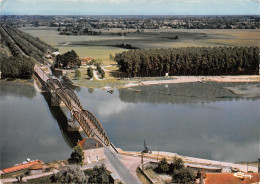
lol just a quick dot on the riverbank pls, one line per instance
(202, 79)
(111, 82)
(189, 161)
(132, 159)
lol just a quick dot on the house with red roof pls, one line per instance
(93, 150)
(35, 165)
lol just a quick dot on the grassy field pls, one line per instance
(84, 80)
(162, 38)
(97, 52)
(101, 46)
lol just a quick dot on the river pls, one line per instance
(193, 119)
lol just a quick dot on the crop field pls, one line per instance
(97, 52)
(101, 46)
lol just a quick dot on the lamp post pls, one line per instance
(146, 150)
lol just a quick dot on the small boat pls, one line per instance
(110, 91)
(202, 82)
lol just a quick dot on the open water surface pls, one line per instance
(192, 119)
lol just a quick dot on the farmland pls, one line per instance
(101, 46)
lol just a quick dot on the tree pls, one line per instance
(101, 71)
(71, 174)
(69, 59)
(183, 175)
(177, 164)
(99, 175)
(77, 156)
(77, 73)
(20, 178)
(195, 60)
(163, 166)
(16, 67)
(111, 57)
(90, 72)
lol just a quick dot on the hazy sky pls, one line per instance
(130, 7)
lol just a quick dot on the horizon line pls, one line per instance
(7, 14)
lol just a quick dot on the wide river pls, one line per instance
(193, 119)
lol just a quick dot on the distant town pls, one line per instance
(188, 85)
(80, 24)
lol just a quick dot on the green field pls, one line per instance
(100, 47)
(65, 43)
(98, 52)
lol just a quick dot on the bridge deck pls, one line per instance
(87, 120)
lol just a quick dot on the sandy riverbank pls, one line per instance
(199, 162)
(187, 79)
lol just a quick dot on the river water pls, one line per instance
(192, 119)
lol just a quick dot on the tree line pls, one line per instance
(19, 65)
(189, 61)
(24, 45)
(39, 44)
(5, 39)
(16, 67)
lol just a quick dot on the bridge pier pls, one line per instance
(73, 124)
(55, 101)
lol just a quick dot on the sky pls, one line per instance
(130, 7)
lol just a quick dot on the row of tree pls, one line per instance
(39, 44)
(189, 61)
(16, 67)
(6, 40)
(26, 46)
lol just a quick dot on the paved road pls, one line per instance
(120, 170)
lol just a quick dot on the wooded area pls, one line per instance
(20, 66)
(189, 61)
(69, 59)
(25, 50)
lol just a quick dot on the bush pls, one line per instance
(90, 72)
(183, 175)
(77, 156)
(163, 166)
(179, 173)
(176, 164)
(71, 174)
(101, 71)
(99, 175)
(77, 74)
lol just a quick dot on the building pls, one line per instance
(93, 150)
(36, 168)
(25, 165)
(85, 60)
(54, 54)
(232, 178)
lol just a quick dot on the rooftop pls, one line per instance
(21, 166)
(90, 143)
(231, 178)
